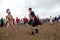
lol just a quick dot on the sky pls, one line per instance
(19, 8)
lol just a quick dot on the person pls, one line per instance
(56, 19)
(2, 22)
(33, 21)
(9, 18)
(51, 21)
(17, 20)
(59, 19)
(37, 17)
(5, 22)
(25, 20)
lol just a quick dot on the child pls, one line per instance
(9, 18)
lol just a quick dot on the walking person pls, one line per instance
(9, 18)
(33, 21)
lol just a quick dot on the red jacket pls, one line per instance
(17, 20)
(25, 20)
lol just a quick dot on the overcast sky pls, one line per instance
(19, 8)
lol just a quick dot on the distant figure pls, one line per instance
(21, 21)
(37, 17)
(56, 19)
(59, 18)
(13, 21)
(51, 21)
(25, 20)
(17, 20)
(2, 22)
(5, 22)
(33, 21)
(9, 18)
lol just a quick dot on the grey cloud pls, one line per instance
(42, 3)
(41, 7)
(44, 7)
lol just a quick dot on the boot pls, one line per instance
(32, 33)
(36, 30)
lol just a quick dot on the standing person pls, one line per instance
(51, 21)
(59, 19)
(9, 18)
(25, 20)
(5, 22)
(2, 22)
(17, 20)
(33, 21)
(37, 17)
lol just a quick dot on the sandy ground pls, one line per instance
(46, 32)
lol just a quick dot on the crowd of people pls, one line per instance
(50, 19)
(15, 21)
(25, 20)
(33, 21)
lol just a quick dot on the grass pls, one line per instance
(46, 32)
